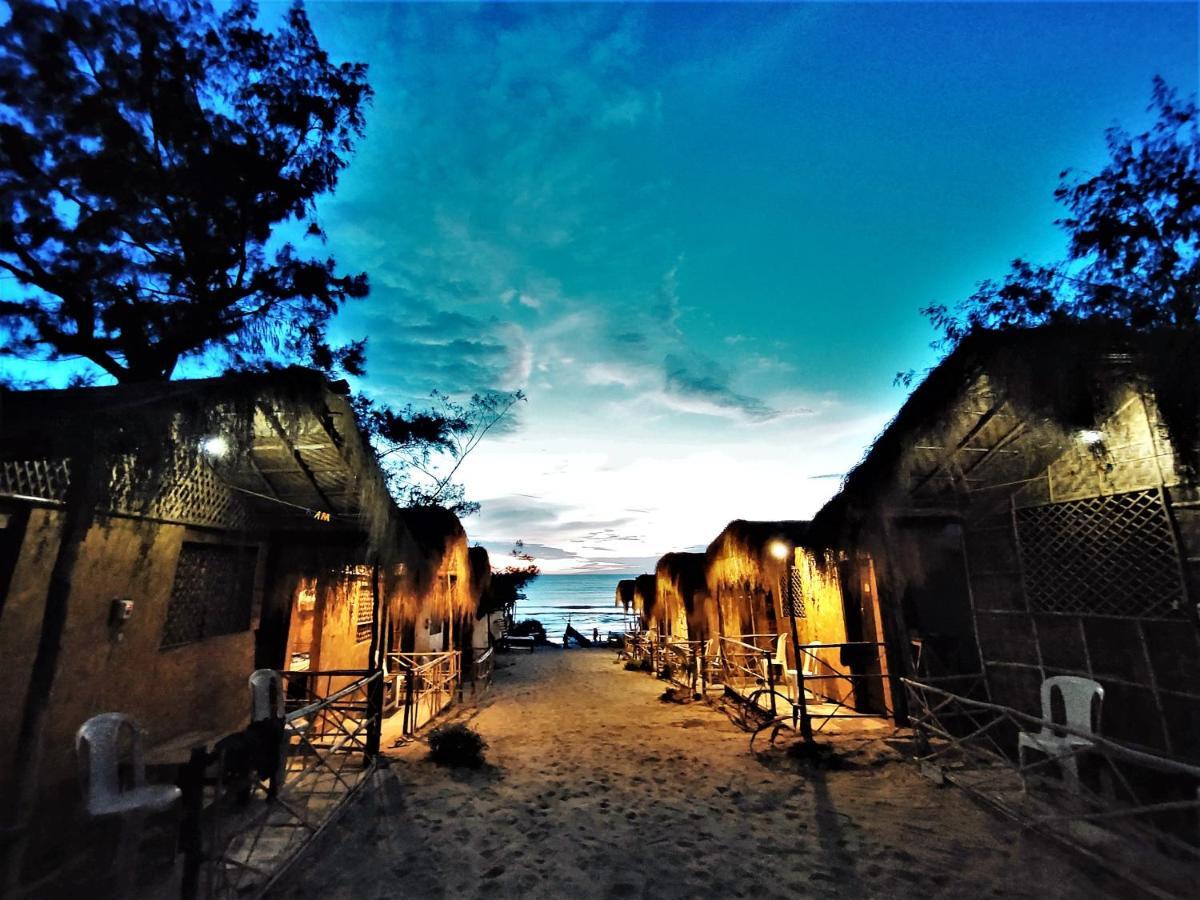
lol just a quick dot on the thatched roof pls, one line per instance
(644, 590)
(624, 595)
(1004, 404)
(481, 572)
(434, 528)
(740, 553)
(434, 531)
(682, 574)
(755, 537)
(289, 449)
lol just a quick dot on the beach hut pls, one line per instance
(682, 608)
(481, 626)
(746, 571)
(1034, 510)
(753, 571)
(645, 596)
(431, 617)
(624, 598)
(437, 594)
(155, 533)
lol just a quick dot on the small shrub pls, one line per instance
(633, 666)
(645, 665)
(456, 745)
(667, 671)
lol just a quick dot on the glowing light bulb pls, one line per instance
(779, 549)
(1090, 436)
(215, 446)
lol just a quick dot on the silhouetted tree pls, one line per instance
(149, 153)
(421, 451)
(1133, 230)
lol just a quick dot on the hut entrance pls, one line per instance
(302, 649)
(937, 600)
(863, 623)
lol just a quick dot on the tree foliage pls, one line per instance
(1133, 229)
(421, 451)
(507, 585)
(149, 154)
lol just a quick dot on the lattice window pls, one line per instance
(1110, 556)
(364, 610)
(198, 496)
(43, 478)
(195, 494)
(793, 606)
(212, 594)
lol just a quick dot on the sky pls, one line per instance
(698, 236)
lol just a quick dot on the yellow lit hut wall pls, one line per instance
(1034, 511)
(645, 598)
(170, 689)
(680, 596)
(745, 572)
(823, 622)
(333, 616)
(437, 594)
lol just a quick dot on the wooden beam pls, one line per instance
(974, 430)
(1011, 435)
(301, 465)
(262, 477)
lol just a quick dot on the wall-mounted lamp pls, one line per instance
(779, 549)
(215, 446)
(1089, 437)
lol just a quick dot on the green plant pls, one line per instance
(667, 671)
(645, 665)
(456, 745)
(633, 666)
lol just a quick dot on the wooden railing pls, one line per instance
(420, 684)
(483, 667)
(241, 830)
(1142, 809)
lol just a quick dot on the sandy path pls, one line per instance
(596, 788)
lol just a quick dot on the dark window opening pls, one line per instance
(212, 595)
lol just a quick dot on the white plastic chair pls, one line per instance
(780, 661)
(1078, 696)
(266, 703)
(266, 695)
(98, 748)
(808, 664)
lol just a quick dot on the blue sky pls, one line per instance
(698, 236)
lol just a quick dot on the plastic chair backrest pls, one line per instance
(780, 651)
(266, 695)
(98, 749)
(1078, 694)
(810, 658)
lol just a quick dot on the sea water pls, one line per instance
(585, 601)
